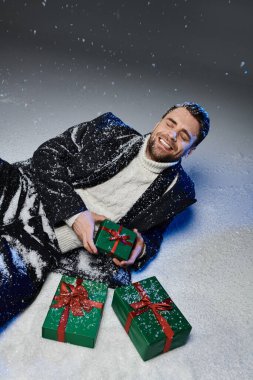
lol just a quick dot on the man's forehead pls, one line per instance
(180, 112)
(184, 118)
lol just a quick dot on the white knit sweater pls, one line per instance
(116, 196)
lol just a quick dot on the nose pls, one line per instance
(173, 135)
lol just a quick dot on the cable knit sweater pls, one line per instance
(116, 196)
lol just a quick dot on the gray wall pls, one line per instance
(64, 62)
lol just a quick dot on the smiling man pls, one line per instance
(148, 191)
(174, 136)
(52, 203)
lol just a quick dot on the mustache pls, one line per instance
(165, 138)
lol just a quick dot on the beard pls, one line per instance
(155, 153)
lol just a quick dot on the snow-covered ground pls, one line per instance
(205, 262)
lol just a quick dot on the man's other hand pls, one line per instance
(84, 225)
(136, 252)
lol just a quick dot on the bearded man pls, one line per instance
(51, 204)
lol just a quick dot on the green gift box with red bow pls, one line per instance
(115, 240)
(76, 311)
(149, 316)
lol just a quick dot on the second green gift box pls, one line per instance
(75, 313)
(152, 320)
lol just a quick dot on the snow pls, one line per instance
(3, 269)
(18, 261)
(12, 208)
(46, 226)
(30, 256)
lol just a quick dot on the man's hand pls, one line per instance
(83, 226)
(139, 245)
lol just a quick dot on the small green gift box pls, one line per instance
(153, 322)
(75, 313)
(114, 239)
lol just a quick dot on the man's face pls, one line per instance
(173, 136)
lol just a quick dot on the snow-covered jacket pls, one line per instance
(90, 153)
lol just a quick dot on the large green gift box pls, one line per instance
(75, 313)
(152, 320)
(114, 239)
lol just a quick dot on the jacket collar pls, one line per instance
(152, 194)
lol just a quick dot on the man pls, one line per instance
(51, 203)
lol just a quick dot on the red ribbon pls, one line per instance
(115, 235)
(144, 305)
(76, 299)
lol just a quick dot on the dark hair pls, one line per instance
(199, 113)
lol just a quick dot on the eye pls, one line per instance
(184, 136)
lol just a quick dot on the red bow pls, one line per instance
(115, 235)
(144, 305)
(76, 299)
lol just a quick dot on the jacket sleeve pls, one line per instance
(153, 239)
(51, 167)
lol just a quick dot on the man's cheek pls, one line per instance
(184, 146)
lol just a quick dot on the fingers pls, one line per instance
(139, 244)
(101, 218)
(98, 217)
(116, 261)
(88, 244)
(84, 228)
(123, 264)
(139, 237)
(92, 246)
